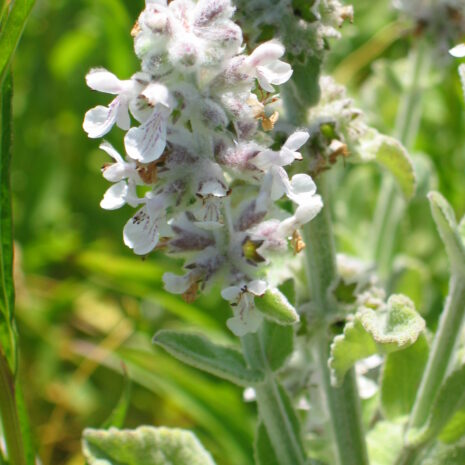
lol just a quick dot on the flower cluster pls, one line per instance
(442, 20)
(208, 183)
(304, 27)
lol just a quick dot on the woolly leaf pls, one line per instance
(382, 434)
(196, 350)
(144, 446)
(275, 306)
(278, 342)
(353, 345)
(394, 327)
(393, 156)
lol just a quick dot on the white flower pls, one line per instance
(302, 191)
(458, 51)
(264, 64)
(288, 153)
(115, 197)
(119, 170)
(246, 319)
(122, 192)
(177, 284)
(100, 119)
(196, 145)
(147, 142)
(141, 232)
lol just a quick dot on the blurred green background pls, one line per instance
(87, 308)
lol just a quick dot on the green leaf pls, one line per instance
(145, 445)
(275, 306)
(446, 455)
(454, 429)
(7, 297)
(118, 415)
(227, 420)
(449, 231)
(196, 350)
(25, 426)
(354, 344)
(305, 76)
(394, 327)
(263, 448)
(278, 342)
(449, 399)
(392, 155)
(384, 443)
(401, 376)
(280, 420)
(11, 31)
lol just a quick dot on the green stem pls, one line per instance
(344, 410)
(272, 407)
(408, 456)
(9, 414)
(321, 254)
(390, 204)
(343, 403)
(441, 353)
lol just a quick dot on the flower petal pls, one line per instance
(147, 142)
(257, 287)
(231, 293)
(306, 212)
(141, 232)
(280, 183)
(123, 120)
(115, 196)
(302, 187)
(275, 73)
(247, 322)
(99, 120)
(158, 93)
(266, 53)
(107, 147)
(104, 81)
(458, 51)
(296, 140)
(268, 158)
(176, 284)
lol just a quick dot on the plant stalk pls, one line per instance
(272, 406)
(9, 415)
(441, 353)
(343, 403)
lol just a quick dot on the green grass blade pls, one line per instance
(12, 28)
(7, 339)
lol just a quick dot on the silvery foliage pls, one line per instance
(303, 26)
(210, 178)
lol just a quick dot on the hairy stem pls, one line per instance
(390, 205)
(9, 414)
(272, 407)
(441, 353)
(343, 403)
(408, 456)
